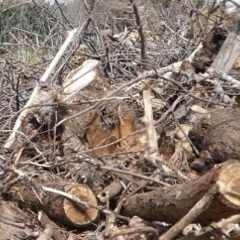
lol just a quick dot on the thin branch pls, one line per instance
(149, 122)
(135, 175)
(199, 207)
(140, 30)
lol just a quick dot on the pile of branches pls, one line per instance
(118, 139)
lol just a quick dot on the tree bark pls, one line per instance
(172, 203)
(14, 222)
(69, 203)
(229, 51)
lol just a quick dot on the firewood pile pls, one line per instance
(118, 147)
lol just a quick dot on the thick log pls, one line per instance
(69, 203)
(172, 203)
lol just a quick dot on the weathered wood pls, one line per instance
(229, 51)
(14, 222)
(220, 47)
(151, 132)
(172, 203)
(51, 229)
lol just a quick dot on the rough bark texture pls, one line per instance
(32, 194)
(217, 138)
(229, 52)
(15, 222)
(172, 203)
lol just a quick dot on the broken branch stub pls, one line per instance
(79, 78)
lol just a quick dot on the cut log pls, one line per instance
(69, 203)
(172, 203)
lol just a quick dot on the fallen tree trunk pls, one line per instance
(172, 203)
